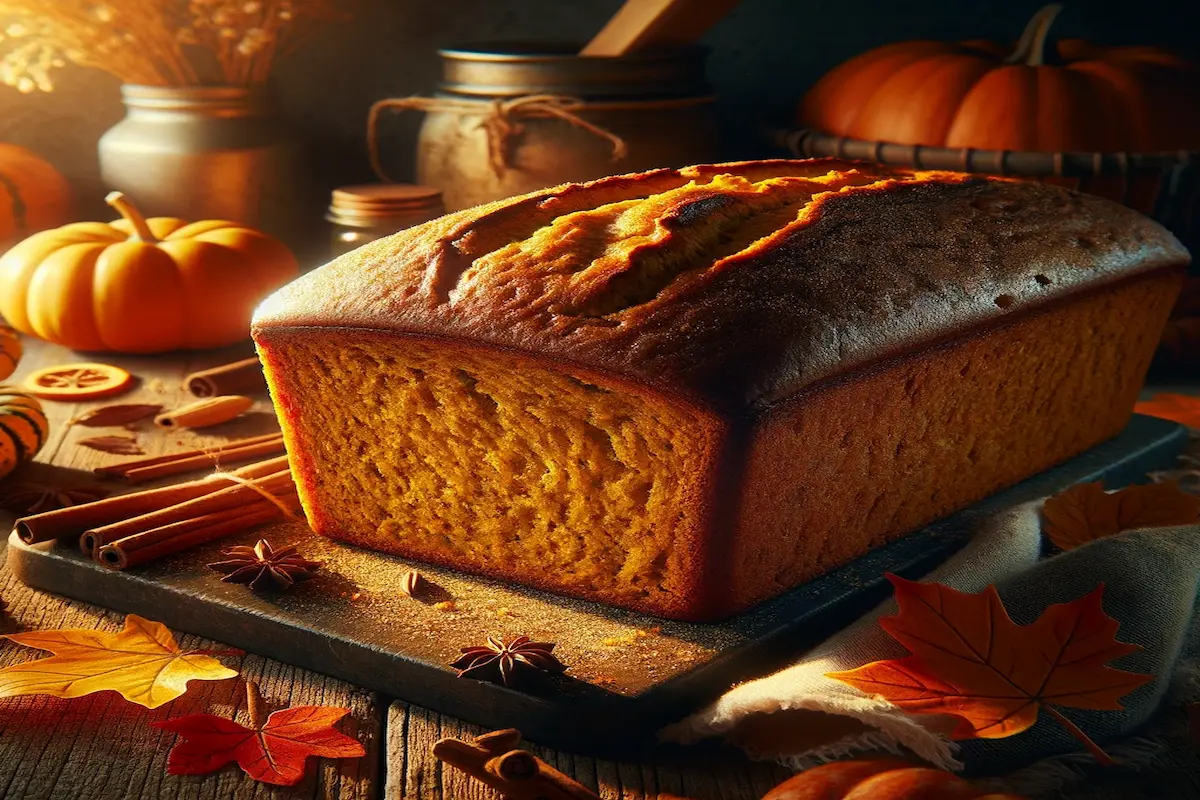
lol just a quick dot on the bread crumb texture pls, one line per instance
(489, 463)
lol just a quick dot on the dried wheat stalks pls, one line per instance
(152, 42)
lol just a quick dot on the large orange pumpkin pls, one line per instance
(33, 195)
(141, 285)
(878, 779)
(1074, 97)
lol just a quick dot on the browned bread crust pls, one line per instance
(687, 391)
(737, 284)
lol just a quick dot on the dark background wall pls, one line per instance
(764, 55)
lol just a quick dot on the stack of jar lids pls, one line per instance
(371, 204)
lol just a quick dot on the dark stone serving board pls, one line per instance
(629, 673)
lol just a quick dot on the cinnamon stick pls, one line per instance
(231, 455)
(74, 520)
(175, 537)
(517, 774)
(208, 454)
(205, 413)
(238, 495)
(240, 377)
(90, 547)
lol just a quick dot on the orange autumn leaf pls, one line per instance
(274, 752)
(1085, 512)
(1180, 408)
(971, 661)
(142, 662)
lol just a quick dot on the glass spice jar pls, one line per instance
(362, 214)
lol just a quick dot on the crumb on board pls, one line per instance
(632, 637)
(613, 645)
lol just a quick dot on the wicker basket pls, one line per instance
(1165, 186)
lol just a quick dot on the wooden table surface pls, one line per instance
(102, 747)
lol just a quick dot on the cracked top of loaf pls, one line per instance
(735, 285)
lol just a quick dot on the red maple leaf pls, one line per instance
(274, 752)
(1180, 408)
(971, 661)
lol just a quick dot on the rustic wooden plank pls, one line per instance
(100, 746)
(698, 773)
(160, 381)
(708, 774)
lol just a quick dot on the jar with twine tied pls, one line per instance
(512, 119)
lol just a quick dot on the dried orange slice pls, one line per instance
(78, 382)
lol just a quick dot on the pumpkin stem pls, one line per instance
(1031, 49)
(125, 206)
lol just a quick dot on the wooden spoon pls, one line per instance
(647, 24)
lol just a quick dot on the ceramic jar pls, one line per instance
(209, 152)
(512, 119)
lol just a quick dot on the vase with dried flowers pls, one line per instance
(200, 139)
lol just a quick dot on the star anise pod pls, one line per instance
(28, 498)
(503, 662)
(264, 568)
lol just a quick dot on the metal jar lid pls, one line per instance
(371, 204)
(516, 69)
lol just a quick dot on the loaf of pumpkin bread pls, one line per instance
(687, 391)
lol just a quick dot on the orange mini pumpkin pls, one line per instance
(33, 195)
(23, 429)
(1075, 97)
(10, 351)
(141, 285)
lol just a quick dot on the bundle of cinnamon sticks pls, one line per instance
(135, 528)
(139, 527)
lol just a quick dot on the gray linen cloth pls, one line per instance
(1150, 577)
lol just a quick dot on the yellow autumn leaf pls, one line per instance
(142, 662)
